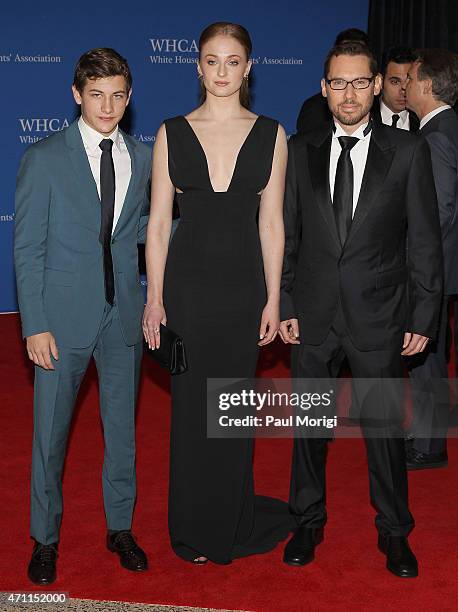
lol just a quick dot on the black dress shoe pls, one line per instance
(42, 566)
(425, 461)
(132, 556)
(300, 550)
(400, 560)
(408, 443)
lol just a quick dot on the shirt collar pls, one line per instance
(359, 133)
(387, 114)
(433, 113)
(92, 138)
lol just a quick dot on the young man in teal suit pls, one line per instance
(81, 209)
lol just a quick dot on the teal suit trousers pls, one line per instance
(118, 367)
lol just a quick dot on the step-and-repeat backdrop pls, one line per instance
(40, 43)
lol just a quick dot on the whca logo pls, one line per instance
(33, 130)
(174, 45)
(43, 125)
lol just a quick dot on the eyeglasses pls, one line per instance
(361, 83)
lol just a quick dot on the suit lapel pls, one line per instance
(318, 161)
(90, 201)
(130, 199)
(379, 158)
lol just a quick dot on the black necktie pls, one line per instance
(394, 120)
(107, 198)
(343, 188)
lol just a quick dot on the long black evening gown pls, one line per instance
(214, 293)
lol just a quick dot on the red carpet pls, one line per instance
(348, 573)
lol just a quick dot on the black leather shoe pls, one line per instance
(42, 566)
(425, 461)
(400, 560)
(300, 550)
(408, 443)
(132, 556)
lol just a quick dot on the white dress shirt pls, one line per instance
(121, 161)
(387, 117)
(358, 156)
(432, 114)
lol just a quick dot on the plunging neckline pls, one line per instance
(206, 158)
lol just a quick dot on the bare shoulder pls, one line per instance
(162, 132)
(281, 133)
(160, 144)
(250, 116)
(161, 135)
(193, 115)
(281, 144)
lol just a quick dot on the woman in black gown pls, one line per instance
(217, 285)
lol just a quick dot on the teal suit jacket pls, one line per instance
(57, 252)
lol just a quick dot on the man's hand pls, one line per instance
(414, 343)
(289, 331)
(40, 347)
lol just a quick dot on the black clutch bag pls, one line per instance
(171, 353)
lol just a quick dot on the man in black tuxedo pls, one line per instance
(432, 90)
(390, 107)
(355, 191)
(315, 110)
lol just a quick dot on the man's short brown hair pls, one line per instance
(351, 48)
(99, 64)
(441, 66)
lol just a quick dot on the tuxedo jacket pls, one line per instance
(315, 113)
(57, 251)
(384, 289)
(441, 133)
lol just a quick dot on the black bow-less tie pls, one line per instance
(107, 199)
(343, 188)
(394, 120)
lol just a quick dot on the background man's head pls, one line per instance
(350, 81)
(432, 80)
(351, 35)
(102, 86)
(396, 66)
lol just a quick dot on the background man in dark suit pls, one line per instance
(81, 208)
(353, 196)
(315, 110)
(432, 90)
(390, 106)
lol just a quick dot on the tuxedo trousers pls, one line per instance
(385, 454)
(118, 368)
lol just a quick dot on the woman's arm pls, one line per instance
(272, 236)
(157, 239)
